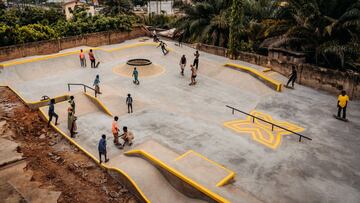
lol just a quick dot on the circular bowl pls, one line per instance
(139, 62)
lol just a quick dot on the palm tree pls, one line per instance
(328, 31)
(205, 21)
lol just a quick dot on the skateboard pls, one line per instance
(341, 119)
(97, 65)
(289, 87)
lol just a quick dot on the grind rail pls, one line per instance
(80, 84)
(272, 124)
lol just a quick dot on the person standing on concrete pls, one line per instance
(293, 77)
(343, 100)
(136, 76)
(193, 75)
(92, 58)
(182, 64)
(129, 101)
(127, 136)
(72, 122)
(196, 60)
(102, 148)
(115, 130)
(97, 84)
(52, 112)
(72, 103)
(82, 58)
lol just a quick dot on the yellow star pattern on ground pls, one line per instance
(260, 131)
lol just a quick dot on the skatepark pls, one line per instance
(189, 146)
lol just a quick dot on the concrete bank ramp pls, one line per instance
(192, 173)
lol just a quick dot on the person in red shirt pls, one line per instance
(82, 58)
(92, 58)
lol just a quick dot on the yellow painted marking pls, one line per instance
(18, 62)
(222, 182)
(260, 131)
(259, 74)
(86, 152)
(107, 111)
(175, 172)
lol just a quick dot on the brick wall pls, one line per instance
(309, 75)
(54, 46)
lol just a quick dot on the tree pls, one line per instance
(236, 27)
(205, 21)
(116, 7)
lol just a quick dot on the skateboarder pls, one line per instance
(182, 64)
(82, 58)
(196, 60)
(193, 75)
(293, 77)
(52, 112)
(72, 122)
(163, 47)
(102, 148)
(129, 101)
(136, 76)
(72, 103)
(343, 100)
(97, 84)
(92, 58)
(127, 136)
(115, 130)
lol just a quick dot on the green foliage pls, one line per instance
(327, 31)
(205, 21)
(116, 7)
(35, 24)
(236, 27)
(161, 21)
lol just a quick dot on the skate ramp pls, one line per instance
(192, 173)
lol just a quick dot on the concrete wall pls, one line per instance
(316, 77)
(54, 46)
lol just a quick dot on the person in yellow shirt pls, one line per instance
(343, 100)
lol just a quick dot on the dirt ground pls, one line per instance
(53, 161)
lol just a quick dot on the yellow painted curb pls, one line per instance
(273, 83)
(196, 185)
(98, 102)
(83, 150)
(76, 52)
(222, 182)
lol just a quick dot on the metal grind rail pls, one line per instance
(80, 84)
(272, 124)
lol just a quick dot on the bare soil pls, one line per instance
(54, 162)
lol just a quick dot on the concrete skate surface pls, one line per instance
(183, 117)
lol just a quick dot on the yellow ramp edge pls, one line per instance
(99, 104)
(83, 150)
(268, 81)
(76, 52)
(175, 172)
(222, 182)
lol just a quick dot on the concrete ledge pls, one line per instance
(209, 195)
(268, 81)
(230, 177)
(99, 104)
